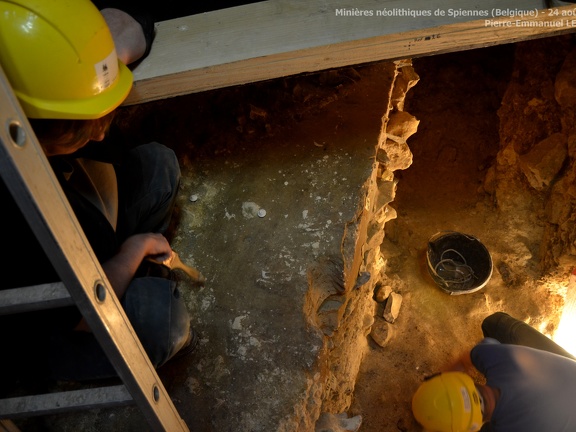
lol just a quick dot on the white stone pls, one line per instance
(392, 309)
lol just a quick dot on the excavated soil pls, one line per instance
(456, 101)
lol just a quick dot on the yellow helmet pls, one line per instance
(60, 59)
(448, 402)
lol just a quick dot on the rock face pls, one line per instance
(291, 293)
(346, 315)
(543, 162)
(535, 169)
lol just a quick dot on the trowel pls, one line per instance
(174, 262)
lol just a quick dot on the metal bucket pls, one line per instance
(458, 263)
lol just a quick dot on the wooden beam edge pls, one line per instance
(411, 44)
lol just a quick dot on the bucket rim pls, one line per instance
(438, 280)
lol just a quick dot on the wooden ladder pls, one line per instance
(30, 179)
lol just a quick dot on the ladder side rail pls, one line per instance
(8, 426)
(30, 179)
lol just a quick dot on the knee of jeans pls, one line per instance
(159, 317)
(179, 325)
(159, 153)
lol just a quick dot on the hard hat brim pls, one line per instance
(90, 108)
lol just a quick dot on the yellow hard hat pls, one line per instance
(60, 59)
(448, 402)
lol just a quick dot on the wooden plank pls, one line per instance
(278, 38)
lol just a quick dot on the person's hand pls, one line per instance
(122, 267)
(462, 364)
(127, 34)
(144, 245)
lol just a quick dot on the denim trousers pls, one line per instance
(508, 330)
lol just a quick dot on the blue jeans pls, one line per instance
(147, 186)
(159, 317)
(508, 330)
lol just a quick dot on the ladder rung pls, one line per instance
(74, 400)
(33, 298)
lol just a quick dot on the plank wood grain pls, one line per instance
(276, 38)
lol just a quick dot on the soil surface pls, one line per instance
(456, 100)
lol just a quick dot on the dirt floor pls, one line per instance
(456, 100)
